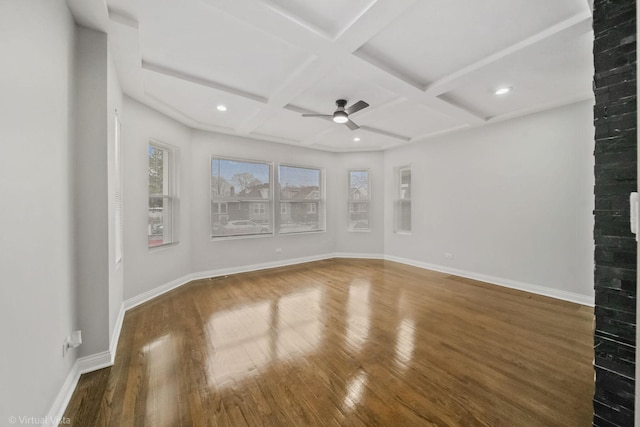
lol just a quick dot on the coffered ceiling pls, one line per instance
(426, 67)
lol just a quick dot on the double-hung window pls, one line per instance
(301, 199)
(403, 201)
(163, 201)
(358, 199)
(241, 197)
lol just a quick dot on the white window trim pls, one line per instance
(322, 212)
(271, 200)
(172, 192)
(398, 200)
(350, 200)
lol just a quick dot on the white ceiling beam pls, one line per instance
(200, 81)
(377, 18)
(92, 14)
(572, 27)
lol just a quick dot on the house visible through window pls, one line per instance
(162, 195)
(403, 202)
(359, 196)
(241, 197)
(301, 199)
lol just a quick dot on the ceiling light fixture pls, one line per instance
(221, 108)
(503, 91)
(356, 139)
(340, 117)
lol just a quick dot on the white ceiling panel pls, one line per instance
(408, 119)
(200, 103)
(539, 76)
(341, 138)
(292, 126)
(329, 18)
(198, 40)
(438, 37)
(322, 96)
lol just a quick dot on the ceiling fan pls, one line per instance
(341, 115)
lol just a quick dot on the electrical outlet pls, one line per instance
(72, 341)
(448, 255)
(278, 250)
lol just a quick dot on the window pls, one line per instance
(162, 195)
(301, 199)
(403, 203)
(258, 208)
(358, 199)
(241, 197)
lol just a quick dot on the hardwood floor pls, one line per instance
(345, 342)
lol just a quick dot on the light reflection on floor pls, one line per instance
(160, 355)
(405, 343)
(358, 312)
(245, 339)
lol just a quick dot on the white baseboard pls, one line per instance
(261, 266)
(355, 255)
(508, 283)
(155, 292)
(62, 399)
(81, 366)
(115, 335)
(94, 362)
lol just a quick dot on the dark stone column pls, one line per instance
(615, 118)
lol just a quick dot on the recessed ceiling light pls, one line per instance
(356, 139)
(503, 91)
(221, 108)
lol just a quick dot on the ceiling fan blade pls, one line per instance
(317, 115)
(357, 107)
(351, 125)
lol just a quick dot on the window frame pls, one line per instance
(321, 200)
(267, 210)
(351, 202)
(402, 200)
(170, 193)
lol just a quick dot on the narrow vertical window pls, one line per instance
(241, 198)
(162, 196)
(403, 202)
(301, 199)
(358, 199)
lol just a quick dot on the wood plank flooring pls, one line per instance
(345, 343)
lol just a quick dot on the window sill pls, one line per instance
(162, 247)
(240, 237)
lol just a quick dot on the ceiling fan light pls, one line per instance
(340, 117)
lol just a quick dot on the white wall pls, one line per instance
(209, 255)
(146, 269)
(92, 213)
(38, 293)
(512, 201)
